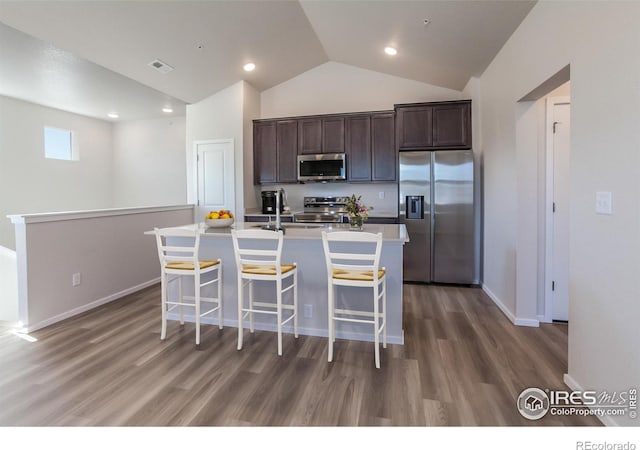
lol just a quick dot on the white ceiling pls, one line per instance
(40, 73)
(207, 42)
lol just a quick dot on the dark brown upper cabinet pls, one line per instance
(333, 134)
(438, 125)
(264, 152)
(321, 135)
(287, 151)
(309, 136)
(414, 127)
(370, 147)
(452, 125)
(358, 147)
(384, 156)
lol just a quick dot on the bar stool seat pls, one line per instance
(179, 258)
(359, 268)
(258, 258)
(267, 270)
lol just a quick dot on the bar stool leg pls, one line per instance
(219, 294)
(279, 313)
(331, 323)
(180, 298)
(384, 312)
(240, 294)
(251, 329)
(376, 331)
(163, 288)
(295, 304)
(197, 300)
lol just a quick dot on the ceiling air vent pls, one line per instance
(160, 66)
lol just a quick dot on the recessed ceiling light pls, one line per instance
(248, 67)
(113, 115)
(167, 110)
(390, 51)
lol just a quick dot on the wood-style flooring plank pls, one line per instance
(462, 363)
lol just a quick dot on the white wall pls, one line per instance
(605, 156)
(217, 117)
(339, 88)
(9, 286)
(31, 183)
(149, 166)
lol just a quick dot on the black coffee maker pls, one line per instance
(269, 202)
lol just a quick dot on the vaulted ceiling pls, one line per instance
(208, 42)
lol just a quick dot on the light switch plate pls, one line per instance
(381, 195)
(603, 203)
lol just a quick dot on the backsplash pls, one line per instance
(370, 194)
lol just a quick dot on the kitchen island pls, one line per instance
(303, 245)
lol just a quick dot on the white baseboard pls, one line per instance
(88, 306)
(608, 421)
(515, 320)
(527, 322)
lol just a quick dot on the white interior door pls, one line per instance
(215, 169)
(560, 253)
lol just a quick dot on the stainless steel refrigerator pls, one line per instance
(436, 205)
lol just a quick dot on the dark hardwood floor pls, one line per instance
(463, 363)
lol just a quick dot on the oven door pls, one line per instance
(317, 218)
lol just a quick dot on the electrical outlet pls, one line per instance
(381, 195)
(308, 311)
(75, 279)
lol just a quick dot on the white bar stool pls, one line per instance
(178, 260)
(258, 255)
(360, 269)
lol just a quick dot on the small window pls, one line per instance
(58, 144)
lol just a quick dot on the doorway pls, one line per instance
(558, 125)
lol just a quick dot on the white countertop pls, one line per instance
(390, 232)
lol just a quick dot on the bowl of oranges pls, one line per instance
(219, 219)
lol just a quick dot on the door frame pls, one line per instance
(549, 186)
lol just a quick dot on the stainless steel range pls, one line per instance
(323, 210)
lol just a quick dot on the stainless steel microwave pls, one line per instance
(322, 167)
